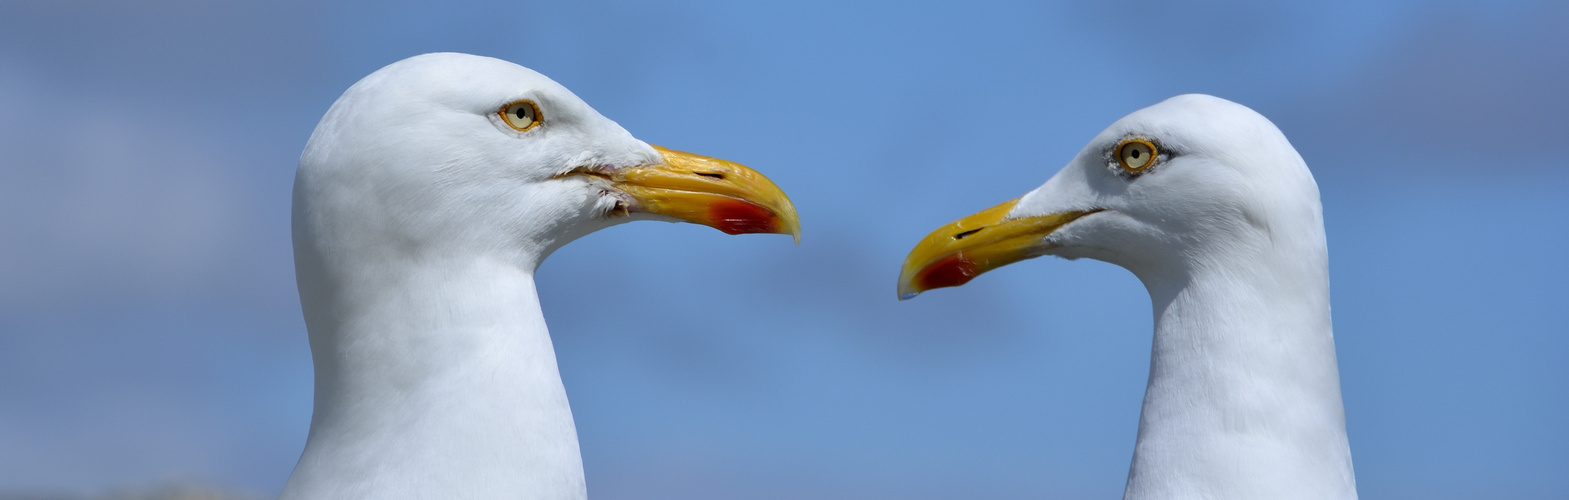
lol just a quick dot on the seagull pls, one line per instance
(1209, 205)
(425, 200)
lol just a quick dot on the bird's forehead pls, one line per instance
(468, 81)
(1191, 122)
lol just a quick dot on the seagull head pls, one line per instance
(1166, 189)
(453, 151)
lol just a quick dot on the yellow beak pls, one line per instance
(712, 192)
(958, 252)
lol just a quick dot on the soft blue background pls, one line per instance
(149, 325)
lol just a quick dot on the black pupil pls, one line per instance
(1134, 153)
(521, 113)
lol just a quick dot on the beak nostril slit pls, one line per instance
(711, 175)
(967, 234)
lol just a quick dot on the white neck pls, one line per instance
(1244, 393)
(434, 379)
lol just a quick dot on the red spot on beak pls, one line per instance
(952, 270)
(739, 217)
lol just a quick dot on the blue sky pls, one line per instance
(149, 325)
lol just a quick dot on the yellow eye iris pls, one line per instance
(522, 116)
(1136, 155)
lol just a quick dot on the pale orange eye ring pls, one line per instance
(1137, 155)
(522, 116)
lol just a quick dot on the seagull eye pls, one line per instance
(1136, 155)
(522, 116)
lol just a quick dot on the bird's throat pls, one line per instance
(442, 378)
(1244, 391)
